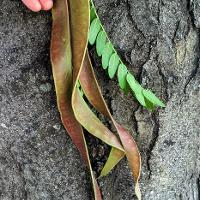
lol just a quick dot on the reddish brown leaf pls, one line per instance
(62, 72)
(80, 11)
(93, 93)
(71, 105)
(80, 24)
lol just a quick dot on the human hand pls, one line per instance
(37, 5)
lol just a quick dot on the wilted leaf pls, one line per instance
(95, 97)
(62, 71)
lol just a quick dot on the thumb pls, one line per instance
(33, 5)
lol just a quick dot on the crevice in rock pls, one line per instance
(24, 194)
(165, 83)
(191, 76)
(159, 10)
(196, 65)
(140, 72)
(195, 70)
(176, 31)
(128, 5)
(191, 12)
(155, 135)
(198, 188)
(135, 122)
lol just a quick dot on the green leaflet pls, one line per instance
(137, 89)
(94, 30)
(152, 98)
(121, 74)
(112, 62)
(107, 53)
(113, 65)
(149, 104)
(134, 85)
(100, 42)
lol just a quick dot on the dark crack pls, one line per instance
(25, 194)
(135, 122)
(197, 60)
(131, 18)
(159, 10)
(191, 12)
(165, 83)
(191, 76)
(198, 188)
(196, 64)
(140, 73)
(155, 135)
(176, 31)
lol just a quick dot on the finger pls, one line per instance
(33, 5)
(46, 4)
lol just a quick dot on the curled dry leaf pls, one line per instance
(62, 71)
(93, 93)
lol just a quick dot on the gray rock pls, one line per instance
(159, 41)
(37, 159)
(164, 54)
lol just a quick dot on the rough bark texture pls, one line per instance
(160, 42)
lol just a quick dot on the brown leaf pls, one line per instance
(93, 93)
(62, 71)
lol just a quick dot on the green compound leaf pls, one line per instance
(94, 30)
(121, 74)
(107, 53)
(112, 62)
(152, 98)
(113, 65)
(100, 42)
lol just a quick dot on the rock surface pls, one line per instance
(37, 159)
(159, 41)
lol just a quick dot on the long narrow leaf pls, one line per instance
(93, 93)
(62, 72)
(79, 45)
